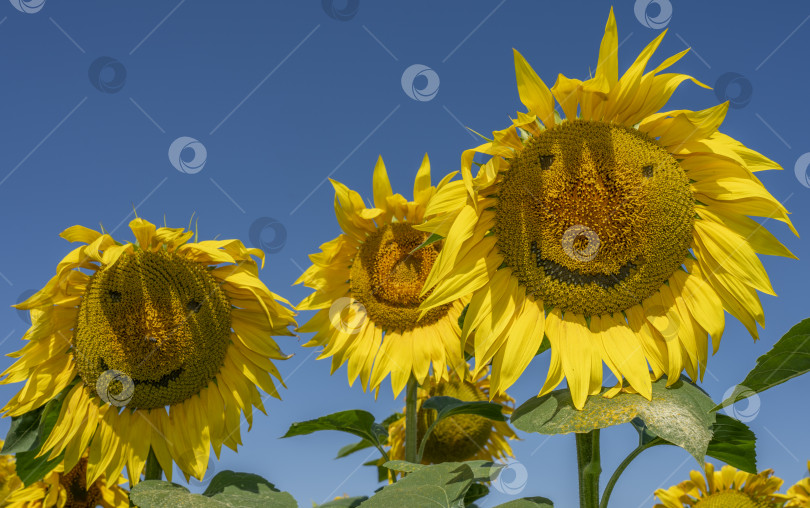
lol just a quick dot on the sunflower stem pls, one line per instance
(589, 466)
(410, 420)
(153, 470)
(626, 462)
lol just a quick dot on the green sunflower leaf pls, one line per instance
(31, 468)
(448, 406)
(483, 470)
(344, 502)
(353, 447)
(789, 357)
(363, 444)
(475, 492)
(226, 490)
(354, 421)
(433, 238)
(442, 485)
(679, 414)
(22, 434)
(734, 443)
(528, 502)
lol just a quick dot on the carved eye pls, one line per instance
(546, 161)
(115, 296)
(194, 306)
(647, 171)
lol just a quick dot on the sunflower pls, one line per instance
(368, 282)
(620, 232)
(461, 437)
(168, 340)
(70, 490)
(9, 481)
(799, 494)
(728, 487)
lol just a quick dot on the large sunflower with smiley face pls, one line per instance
(620, 232)
(367, 285)
(169, 340)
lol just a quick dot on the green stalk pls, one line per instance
(153, 470)
(410, 420)
(626, 462)
(589, 466)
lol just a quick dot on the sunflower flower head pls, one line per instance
(461, 437)
(725, 488)
(618, 231)
(368, 287)
(70, 489)
(177, 332)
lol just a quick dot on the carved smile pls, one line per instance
(560, 273)
(162, 382)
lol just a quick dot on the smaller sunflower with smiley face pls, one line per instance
(169, 340)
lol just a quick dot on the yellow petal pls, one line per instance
(608, 66)
(144, 231)
(525, 337)
(627, 353)
(382, 186)
(724, 251)
(422, 191)
(575, 349)
(80, 234)
(534, 94)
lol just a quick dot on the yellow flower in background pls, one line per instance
(367, 285)
(461, 437)
(725, 488)
(799, 493)
(169, 340)
(619, 231)
(9, 481)
(69, 490)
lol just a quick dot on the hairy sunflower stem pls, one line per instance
(153, 470)
(626, 462)
(589, 466)
(410, 420)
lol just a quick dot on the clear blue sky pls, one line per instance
(282, 95)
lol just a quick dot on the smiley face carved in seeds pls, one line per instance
(159, 319)
(592, 217)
